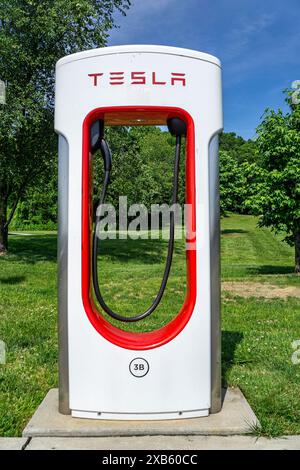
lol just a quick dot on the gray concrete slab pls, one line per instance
(236, 417)
(12, 443)
(164, 443)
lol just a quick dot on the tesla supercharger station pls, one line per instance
(104, 371)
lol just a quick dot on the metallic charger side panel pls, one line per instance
(62, 252)
(214, 198)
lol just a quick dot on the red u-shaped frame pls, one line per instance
(121, 338)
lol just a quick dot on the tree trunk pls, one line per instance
(297, 253)
(3, 225)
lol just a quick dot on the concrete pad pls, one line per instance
(164, 443)
(236, 417)
(12, 443)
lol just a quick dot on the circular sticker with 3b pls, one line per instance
(139, 367)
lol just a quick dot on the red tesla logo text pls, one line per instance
(137, 78)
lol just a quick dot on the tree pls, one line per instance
(232, 184)
(276, 198)
(38, 208)
(143, 160)
(34, 34)
(157, 150)
(238, 148)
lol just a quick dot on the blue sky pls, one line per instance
(258, 43)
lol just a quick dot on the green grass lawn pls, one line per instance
(257, 332)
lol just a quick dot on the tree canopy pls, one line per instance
(34, 34)
(276, 175)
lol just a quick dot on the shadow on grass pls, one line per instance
(12, 280)
(230, 341)
(32, 249)
(143, 251)
(44, 248)
(233, 231)
(266, 269)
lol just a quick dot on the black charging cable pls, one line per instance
(178, 128)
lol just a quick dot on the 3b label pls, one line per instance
(139, 367)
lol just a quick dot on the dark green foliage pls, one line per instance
(235, 180)
(241, 150)
(38, 210)
(232, 184)
(143, 171)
